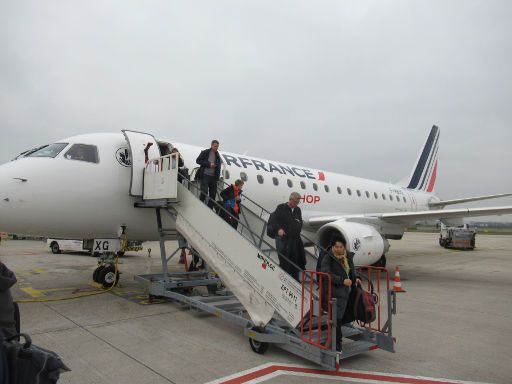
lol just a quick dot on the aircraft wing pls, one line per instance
(467, 200)
(411, 217)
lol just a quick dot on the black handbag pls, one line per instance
(28, 363)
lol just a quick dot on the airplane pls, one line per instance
(86, 187)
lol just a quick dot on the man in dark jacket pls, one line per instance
(209, 172)
(7, 280)
(338, 262)
(288, 221)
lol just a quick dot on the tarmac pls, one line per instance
(454, 322)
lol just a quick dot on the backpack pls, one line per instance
(272, 226)
(199, 174)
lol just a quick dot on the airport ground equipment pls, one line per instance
(263, 299)
(67, 245)
(87, 245)
(457, 237)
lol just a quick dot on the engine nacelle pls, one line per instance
(367, 244)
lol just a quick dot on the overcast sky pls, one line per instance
(345, 86)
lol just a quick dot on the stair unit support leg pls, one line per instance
(163, 255)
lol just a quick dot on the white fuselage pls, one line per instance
(58, 197)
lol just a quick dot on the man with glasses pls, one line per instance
(288, 221)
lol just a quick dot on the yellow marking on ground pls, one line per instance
(42, 292)
(33, 292)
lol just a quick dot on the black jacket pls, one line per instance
(7, 280)
(202, 160)
(330, 264)
(290, 222)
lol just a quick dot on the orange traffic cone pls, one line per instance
(397, 286)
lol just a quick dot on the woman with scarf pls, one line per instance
(231, 197)
(338, 262)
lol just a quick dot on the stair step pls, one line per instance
(356, 347)
(350, 331)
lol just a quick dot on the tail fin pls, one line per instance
(423, 176)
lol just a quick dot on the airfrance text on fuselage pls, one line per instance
(242, 162)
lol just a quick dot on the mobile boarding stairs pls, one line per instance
(263, 299)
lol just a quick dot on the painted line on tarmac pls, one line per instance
(269, 371)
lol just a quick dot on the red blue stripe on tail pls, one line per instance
(423, 176)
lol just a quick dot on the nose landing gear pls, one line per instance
(106, 273)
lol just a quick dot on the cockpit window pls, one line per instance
(82, 152)
(50, 150)
(26, 153)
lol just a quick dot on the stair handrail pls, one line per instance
(263, 210)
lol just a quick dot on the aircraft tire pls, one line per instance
(55, 247)
(108, 276)
(259, 347)
(95, 274)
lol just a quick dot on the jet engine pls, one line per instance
(364, 240)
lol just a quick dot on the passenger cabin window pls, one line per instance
(358, 193)
(243, 176)
(290, 183)
(303, 185)
(405, 200)
(226, 174)
(83, 152)
(339, 190)
(383, 197)
(391, 197)
(51, 150)
(326, 187)
(367, 194)
(315, 186)
(349, 191)
(375, 195)
(275, 181)
(260, 179)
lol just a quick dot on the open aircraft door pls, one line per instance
(143, 147)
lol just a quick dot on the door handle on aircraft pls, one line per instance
(21, 179)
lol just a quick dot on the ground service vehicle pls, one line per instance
(457, 237)
(86, 245)
(68, 245)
